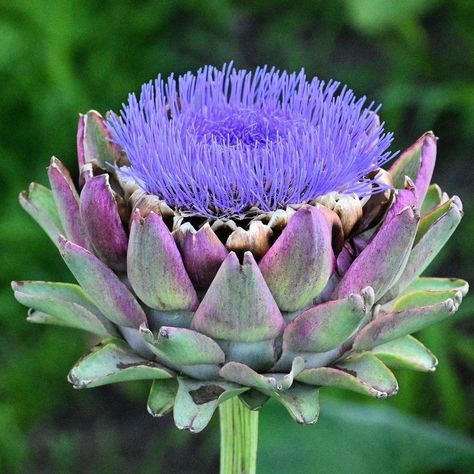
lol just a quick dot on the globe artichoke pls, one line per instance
(234, 235)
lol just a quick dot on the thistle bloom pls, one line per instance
(234, 235)
(222, 142)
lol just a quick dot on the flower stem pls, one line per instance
(239, 437)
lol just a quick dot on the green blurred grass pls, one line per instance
(59, 57)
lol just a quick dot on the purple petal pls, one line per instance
(155, 267)
(109, 294)
(417, 162)
(300, 262)
(67, 202)
(381, 263)
(326, 326)
(94, 144)
(433, 232)
(202, 252)
(102, 222)
(406, 197)
(80, 142)
(428, 161)
(238, 305)
(345, 258)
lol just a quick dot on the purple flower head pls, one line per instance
(223, 141)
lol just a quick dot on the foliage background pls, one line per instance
(60, 57)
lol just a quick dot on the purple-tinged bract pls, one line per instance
(221, 142)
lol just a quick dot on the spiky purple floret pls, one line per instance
(220, 142)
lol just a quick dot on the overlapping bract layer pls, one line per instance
(275, 306)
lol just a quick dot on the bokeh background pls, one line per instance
(61, 57)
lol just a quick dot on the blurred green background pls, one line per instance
(59, 58)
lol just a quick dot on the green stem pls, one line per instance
(239, 437)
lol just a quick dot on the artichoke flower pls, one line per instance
(234, 235)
